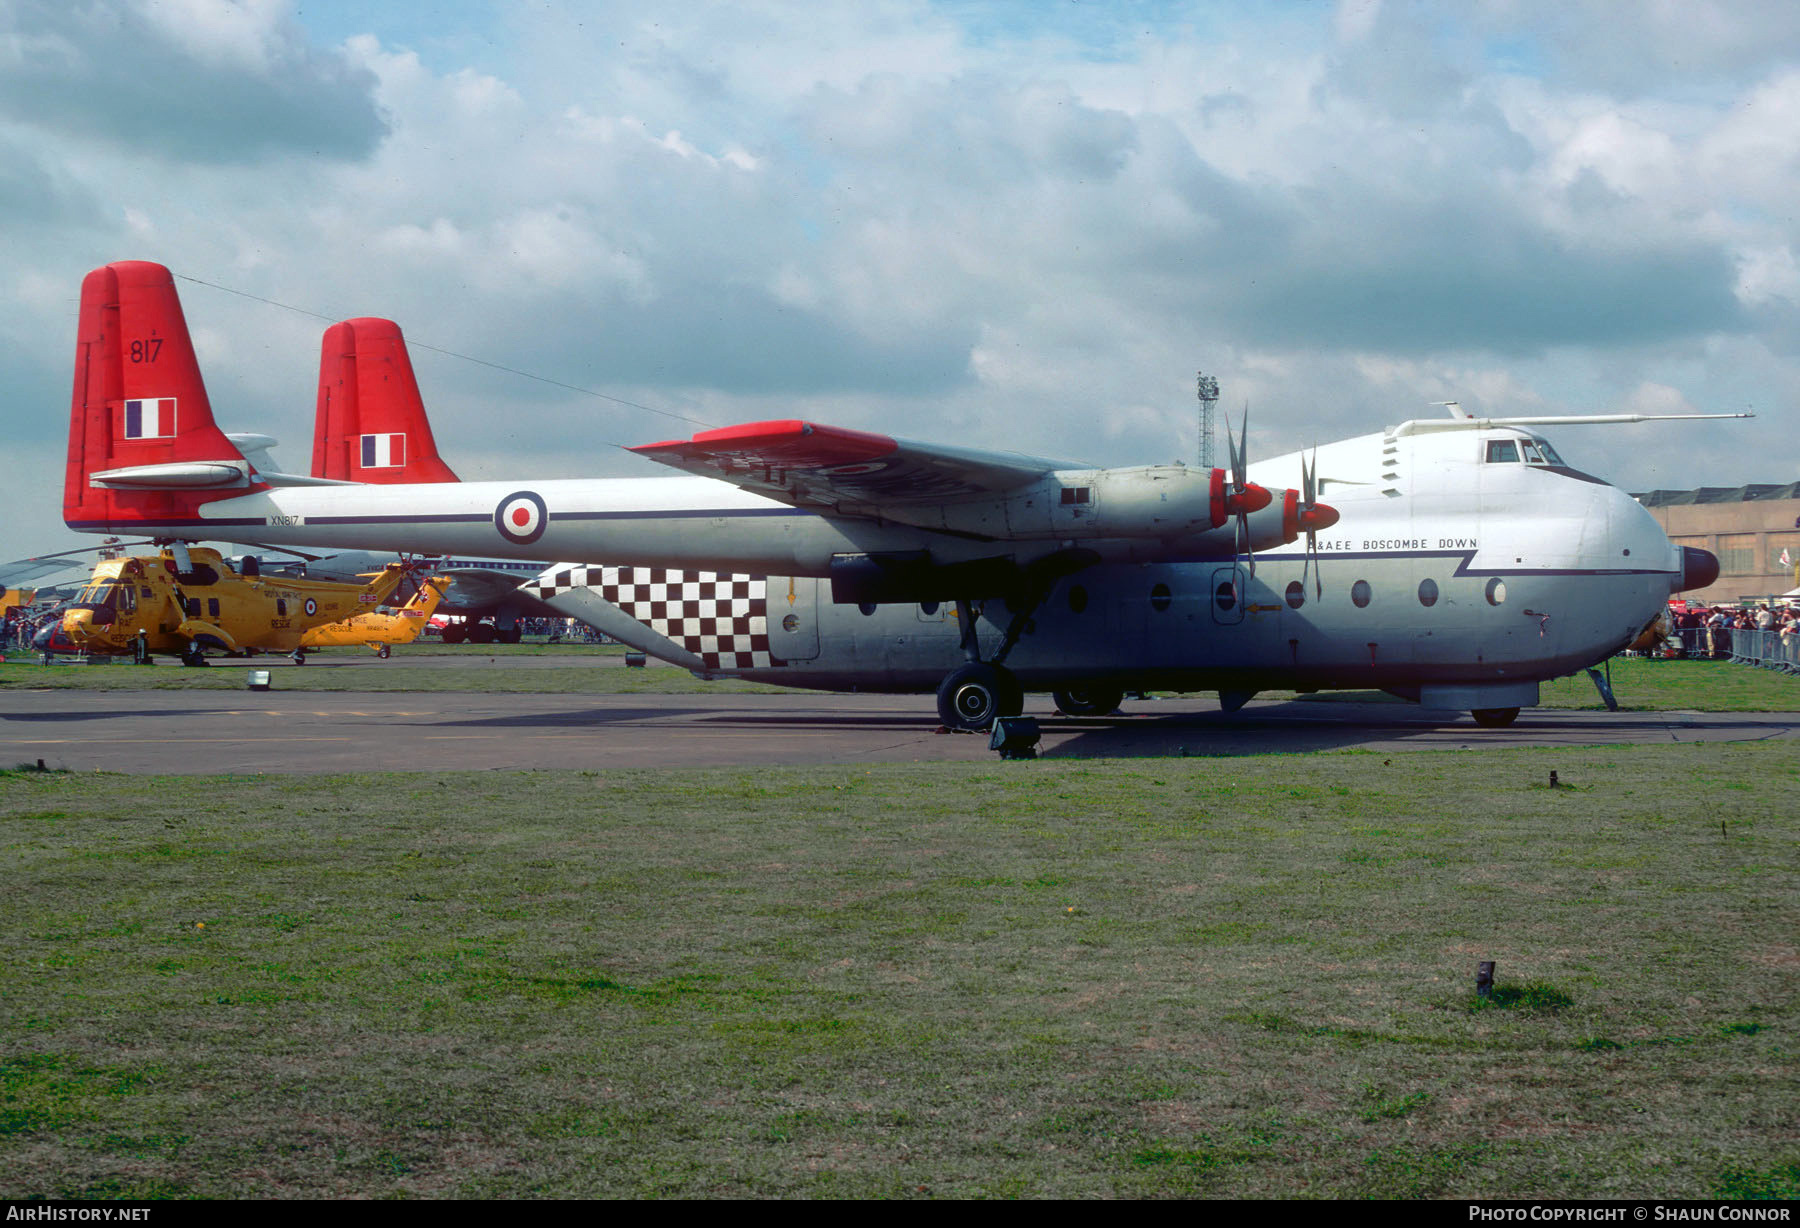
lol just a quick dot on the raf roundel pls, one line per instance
(521, 518)
(312, 607)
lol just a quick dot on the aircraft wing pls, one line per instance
(809, 465)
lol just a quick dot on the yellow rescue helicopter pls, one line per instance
(379, 630)
(188, 602)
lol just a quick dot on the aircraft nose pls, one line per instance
(1699, 568)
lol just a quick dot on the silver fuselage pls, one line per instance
(1444, 567)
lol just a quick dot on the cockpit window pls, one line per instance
(1532, 455)
(1502, 451)
(99, 594)
(1550, 456)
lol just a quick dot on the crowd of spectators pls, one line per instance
(1716, 630)
(22, 625)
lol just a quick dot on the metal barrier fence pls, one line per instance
(1769, 649)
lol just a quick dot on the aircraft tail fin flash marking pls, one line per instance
(384, 451)
(150, 418)
(371, 425)
(143, 447)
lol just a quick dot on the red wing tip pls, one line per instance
(774, 430)
(787, 436)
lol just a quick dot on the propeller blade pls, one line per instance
(1309, 497)
(1240, 484)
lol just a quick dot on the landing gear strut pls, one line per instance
(972, 695)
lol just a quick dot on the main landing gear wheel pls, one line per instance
(193, 654)
(973, 695)
(1494, 718)
(384, 652)
(299, 656)
(1089, 701)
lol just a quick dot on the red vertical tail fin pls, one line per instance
(371, 425)
(143, 448)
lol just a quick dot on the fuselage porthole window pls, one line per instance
(1160, 597)
(868, 609)
(1226, 595)
(1360, 594)
(1496, 591)
(1428, 592)
(1296, 594)
(928, 608)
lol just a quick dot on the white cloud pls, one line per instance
(1019, 227)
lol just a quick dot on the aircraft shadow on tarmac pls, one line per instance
(96, 715)
(571, 719)
(1285, 729)
(1288, 728)
(1301, 727)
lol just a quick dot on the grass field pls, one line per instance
(1249, 977)
(1640, 684)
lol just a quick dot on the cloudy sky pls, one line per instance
(1012, 225)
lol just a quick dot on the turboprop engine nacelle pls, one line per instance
(1166, 502)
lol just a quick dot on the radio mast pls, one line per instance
(1208, 389)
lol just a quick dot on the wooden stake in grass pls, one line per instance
(1484, 974)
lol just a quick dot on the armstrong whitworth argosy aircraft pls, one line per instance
(1465, 562)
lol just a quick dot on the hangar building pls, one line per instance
(1748, 527)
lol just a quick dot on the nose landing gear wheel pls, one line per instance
(973, 695)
